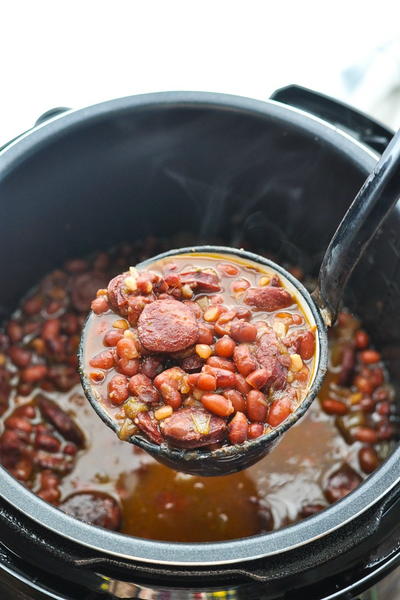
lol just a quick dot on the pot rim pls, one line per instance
(369, 493)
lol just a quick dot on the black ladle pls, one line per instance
(374, 201)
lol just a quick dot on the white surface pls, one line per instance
(81, 52)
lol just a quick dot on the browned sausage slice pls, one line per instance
(95, 508)
(167, 326)
(267, 354)
(193, 428)
(268, 298)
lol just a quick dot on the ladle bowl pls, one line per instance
(229, 458)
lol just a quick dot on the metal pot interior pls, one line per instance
(222, 169)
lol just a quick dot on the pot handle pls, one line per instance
(356, 123)
(49, 114)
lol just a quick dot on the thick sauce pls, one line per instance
(296, 479)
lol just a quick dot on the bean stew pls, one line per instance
(52, 441)
(199, 351)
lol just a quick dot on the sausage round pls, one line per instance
(167, 326)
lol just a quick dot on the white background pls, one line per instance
(77, 53)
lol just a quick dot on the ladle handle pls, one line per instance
(374, 201)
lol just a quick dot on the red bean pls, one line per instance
(20, 356)
(126, 366)
(112, 337)
(255, 430)
(103, 360)
(385, 431)
(60, 420)
(100, 305)
(279, 410)
(47, 442)
(126, 348)
(257, 406)
(239, 286)
(341, 482)
(225, 346)
(142, 387)
(51, 329)
(365, 434)
(363, 384)
(242, 331)
(207, 382)
(242, 312)
(32, 305)
(241, 384)
(238, 401)
(307, 345)
(206, 335)
(225, 378)
(367, 404)
(368, 459)
(334, 407)
(118, 389)
(14, 331)
(244, 360)
(221, 363)
(70, 449)
(258, 378)
(34, 373)
(228, 269)
(217, 404)
(376, 377)
(237, 429)
(14, 422)
(361, 339)
(369, 357)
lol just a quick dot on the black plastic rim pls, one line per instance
(374, 488)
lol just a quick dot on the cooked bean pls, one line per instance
(368, 459)
(103, 360)
(95, 508)
(341, 482)
(255, 430)
(221, 363)
(225, 347)
(257, 406)
(361, 339)
(34, 373)
(112, 337)
(279, 410)
(217, 404)
(206, 382)
(20, 356)
(365, 434)
(258, 378)
(334, 407)
(237, 399)
(126, 348)
(237, 429)
(369, 357)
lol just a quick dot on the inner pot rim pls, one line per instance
(199, 554)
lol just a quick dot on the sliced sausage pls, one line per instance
(203, 281)
(167, 326)
(60, 420)
(95, 508)
(267, 354)
(193, 428)
(268, 298)
(84, 288)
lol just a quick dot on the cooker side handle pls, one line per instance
(49, 114)
(356, 123)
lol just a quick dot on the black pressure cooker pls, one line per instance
(280, 173)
